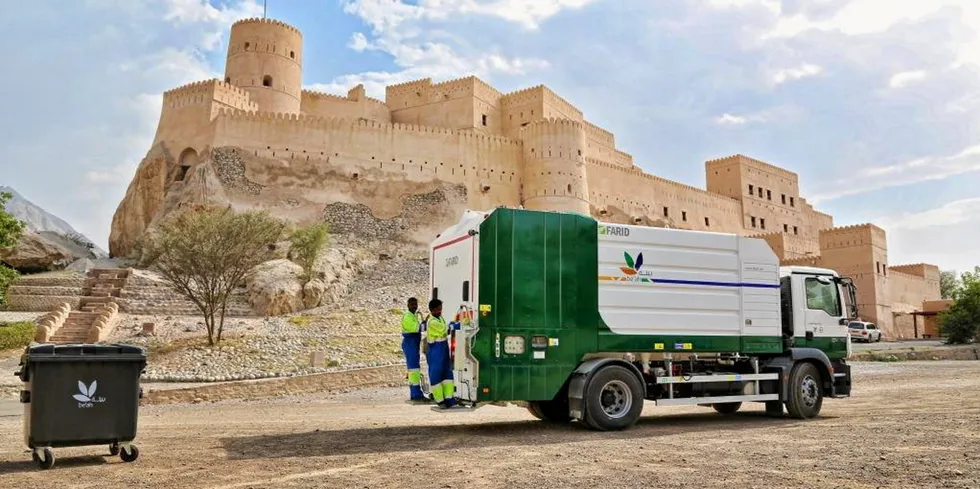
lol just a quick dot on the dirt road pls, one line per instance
(908, 425)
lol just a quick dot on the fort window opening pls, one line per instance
(684, 216)
(762, 222)
(484, 119)
(666, 212)
(791, 202)
(707, 222)
(795, 231)
(769, 194)
(247, 45)
(785, 228)
(569, 188)
(784, 199)
(753, 221)
(751, 189)
(760, 191)
(292, 54)
(266, 81)
(227, 79)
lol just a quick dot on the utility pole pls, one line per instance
(264, 7)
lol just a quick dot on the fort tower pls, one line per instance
(554, 166)
(265, 57)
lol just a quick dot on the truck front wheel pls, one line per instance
(805, 396)
(551, 411)
(613, 399)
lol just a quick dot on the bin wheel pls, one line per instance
(48, 461)
(130, 456)
(114, 449)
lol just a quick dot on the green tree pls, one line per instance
(961, 323)
(11, 229)
(949, 283)
(307, 243)
(205, 254)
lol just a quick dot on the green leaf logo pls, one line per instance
(629, 259)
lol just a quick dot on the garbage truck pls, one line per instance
(581, 320)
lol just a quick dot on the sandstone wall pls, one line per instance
(355, 106)
(265, 58)
(629, 195)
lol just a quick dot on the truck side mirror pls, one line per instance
(844, 321)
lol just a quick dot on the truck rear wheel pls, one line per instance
(551, 411)
(727, 407)
(805, 396)
(613, 399)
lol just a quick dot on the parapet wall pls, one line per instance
(365, 150)
(318, 104)
(849, 236)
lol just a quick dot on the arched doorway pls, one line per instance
(187, 159)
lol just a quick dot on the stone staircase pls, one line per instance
(134, 291)
(76, 328)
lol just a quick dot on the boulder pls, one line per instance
(275, 288)
(313, 293)
(34, 253)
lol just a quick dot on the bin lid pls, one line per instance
(78, 350)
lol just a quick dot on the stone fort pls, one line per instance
(258, 139)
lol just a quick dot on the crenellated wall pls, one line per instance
(355, 105)
(374, 151)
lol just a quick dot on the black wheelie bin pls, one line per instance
(81, 395)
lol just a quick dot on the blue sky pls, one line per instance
(875, 103)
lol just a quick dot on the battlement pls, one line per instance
(758, 164)
(676, 185)
(857, 235)
(531, 94)
(807, 261)
(333, 123)
(922, 270)
(600, 134)
(256, 20)
(206, 92)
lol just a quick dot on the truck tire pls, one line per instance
(551, 411)
(805, 396)
(727, 407)
(613, 399)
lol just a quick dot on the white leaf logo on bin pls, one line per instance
(86, 394)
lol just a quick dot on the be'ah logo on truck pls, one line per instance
(632, 268)
(86, 395)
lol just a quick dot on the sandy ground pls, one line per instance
(908, 425)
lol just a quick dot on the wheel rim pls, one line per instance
(810, 391)
(616, 399)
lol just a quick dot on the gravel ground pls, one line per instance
(907, 425)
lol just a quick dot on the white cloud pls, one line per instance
(217, 19)
(405, 31)
(731, 120)
(387, 14)
(915, 171)
(358, 42)
(954, 213)
(906, 78)
(790, 74)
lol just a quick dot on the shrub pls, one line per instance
(7, 276)
(961, 323)
(16, 335)
(307, 243)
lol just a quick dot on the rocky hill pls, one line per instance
(49, 243)
(46, 224)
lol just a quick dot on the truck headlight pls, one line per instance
(514, 345)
